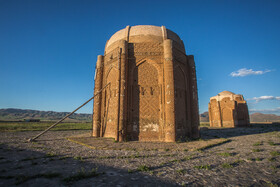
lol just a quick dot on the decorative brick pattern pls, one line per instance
(228, 110)
(152, 94)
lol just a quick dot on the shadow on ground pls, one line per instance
(210, 133)
(34, 168)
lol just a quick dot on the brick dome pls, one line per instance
(144, 33)
(226, 93)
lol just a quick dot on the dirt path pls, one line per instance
(251, 157)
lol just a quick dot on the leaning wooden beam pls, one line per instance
(40, 134)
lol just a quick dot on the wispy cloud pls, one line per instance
(245, 72)
(265, 98)
(272, 110)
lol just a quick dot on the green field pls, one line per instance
(39, 126)
(204, 124)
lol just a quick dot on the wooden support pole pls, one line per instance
(40, 134)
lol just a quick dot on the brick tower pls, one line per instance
(152, 92)
(228, 110)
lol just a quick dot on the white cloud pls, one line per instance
(265, 97)
(266, 110)
(245, 72)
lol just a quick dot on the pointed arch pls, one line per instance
(145, 100)
(182, 102)
(110, 103)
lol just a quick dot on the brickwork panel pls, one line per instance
(110, 103)
(145, 106)
(181, 113)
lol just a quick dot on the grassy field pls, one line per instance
(204, 124)
(38, 126)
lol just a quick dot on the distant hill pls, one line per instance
(204, 117)
(256, 117)
(260, 117)
(11, 114)
(21, 114)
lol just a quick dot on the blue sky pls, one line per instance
(48, 49)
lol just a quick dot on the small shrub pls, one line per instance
(134, 156)
(207, 167)
(255, 159)
(50, 155)
(166, 149)
(272, 143)
(257, 144)
(104, 157)
(187, 158)
(160, 173)
(227, 165)
(143, 168)
(270, 184)
(272, 159)
(226, 154)
(181, 171)
(179, 141)
(175, 160)
(257, 150)
(78, 158)
(163, 163)
(237, 162)
(274, 153)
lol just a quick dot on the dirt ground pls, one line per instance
(222, 157)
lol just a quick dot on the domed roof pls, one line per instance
(138, 32)
(226, 93)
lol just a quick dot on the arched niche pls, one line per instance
(145, 102)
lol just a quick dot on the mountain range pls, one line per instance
(12, 114)
(255, 117)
